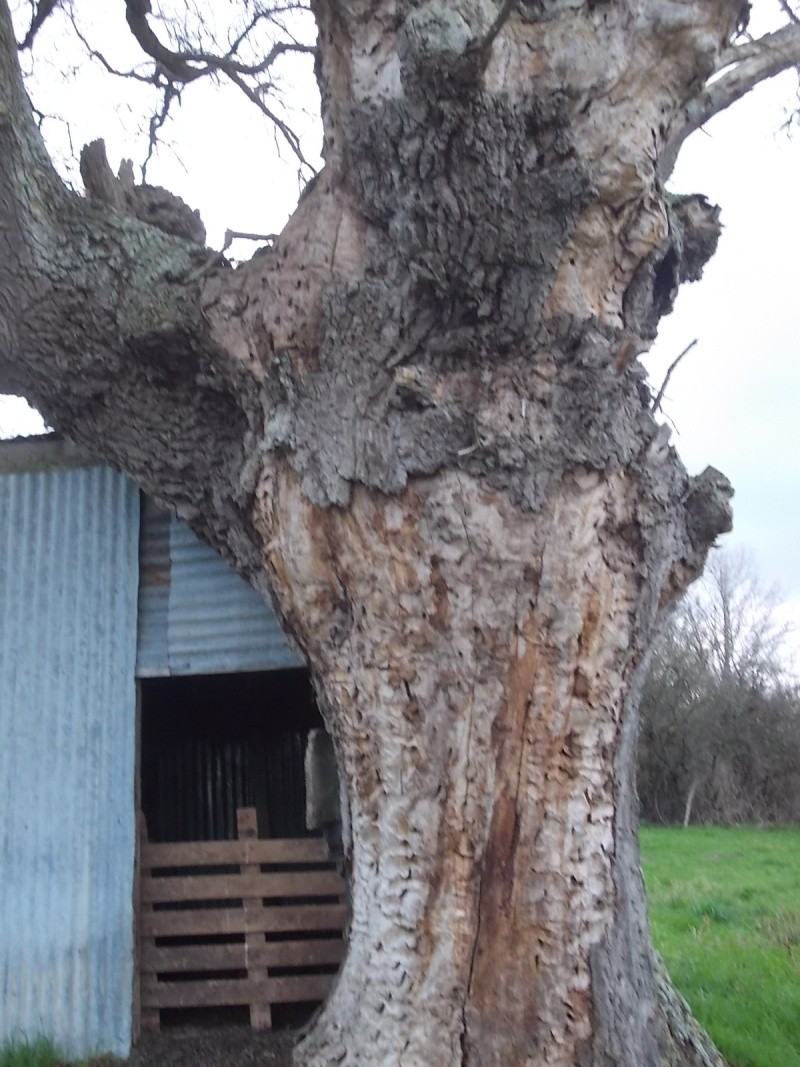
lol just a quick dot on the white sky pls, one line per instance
(735, 399)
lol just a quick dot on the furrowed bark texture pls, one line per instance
(419, 422)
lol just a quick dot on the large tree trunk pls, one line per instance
(420, 424)
(480, 675)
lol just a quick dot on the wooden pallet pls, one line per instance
(217, 918)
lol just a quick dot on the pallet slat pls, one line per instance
(168, 959)
(155, 959)
(275, 920)
(239, 886)
(232, 853)
(233, 992)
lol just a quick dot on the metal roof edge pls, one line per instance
(48, 452)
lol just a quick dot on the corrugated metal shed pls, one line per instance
(68, 591)
(196, 615)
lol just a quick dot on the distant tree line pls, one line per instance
(720, 736)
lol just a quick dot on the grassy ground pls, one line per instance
(227, 1046)
(43, 1053)
(725, 911)
(39, 1053)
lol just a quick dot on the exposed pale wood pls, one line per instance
(233, 921)
(239, 886)
(156, 959)
(222, 992)
(232, 853)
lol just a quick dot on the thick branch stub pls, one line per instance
(708, 507)
(696, 221)
(99, 180)
(694, 232)
(148, 203)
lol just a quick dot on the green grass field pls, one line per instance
(725, 912)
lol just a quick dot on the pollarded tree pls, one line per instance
(419, 422)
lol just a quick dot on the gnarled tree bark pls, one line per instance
(419, 423)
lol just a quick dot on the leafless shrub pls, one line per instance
(720, 738)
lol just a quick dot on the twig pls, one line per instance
(171, 92)
(487, 39)
(668, 375)
(234, 235)
(787, 9)
(216, 258)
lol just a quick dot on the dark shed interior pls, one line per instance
(212, 743)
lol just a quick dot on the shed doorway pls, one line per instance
(212, 743)
(241, 907)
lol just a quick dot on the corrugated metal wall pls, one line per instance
(68, 589)
(196, 615)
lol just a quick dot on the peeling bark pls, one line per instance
(420, 424)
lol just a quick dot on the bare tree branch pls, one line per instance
(239, 235)
(754, 62)
(187, 58)
(133, 74)
(289, 135)
(41, 12)
(157, 120)
(175, 65)
(789, 11)
(749, 64)
(178, 66)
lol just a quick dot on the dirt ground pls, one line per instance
(228, 1046)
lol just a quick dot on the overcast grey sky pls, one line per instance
(735, 399)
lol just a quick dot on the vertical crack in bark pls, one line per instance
(524, 730)
(473, 954)
(465, 807)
